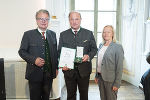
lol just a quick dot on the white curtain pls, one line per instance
(132, 35)
(129, 17)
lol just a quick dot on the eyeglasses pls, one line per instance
(43, 19)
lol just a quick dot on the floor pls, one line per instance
(130, 92)
(126, 92)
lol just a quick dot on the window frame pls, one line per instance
(96, 11)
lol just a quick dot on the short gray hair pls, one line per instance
(42, 11)
(74, 12)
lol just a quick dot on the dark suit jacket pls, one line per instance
(32, 46)
(84, 38)
(145, 81)
(148, 57)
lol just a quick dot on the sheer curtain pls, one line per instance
(132, 36)
(129, 17)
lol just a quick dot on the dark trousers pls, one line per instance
(2, 80)
(73, 79)
(146, 92)
(41, 90)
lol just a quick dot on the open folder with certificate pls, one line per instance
(67, 57)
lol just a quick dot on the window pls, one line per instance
(149, 9)
(96, 14)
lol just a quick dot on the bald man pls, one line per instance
(75, 37)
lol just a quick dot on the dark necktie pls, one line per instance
(75, 32)
(43, 35)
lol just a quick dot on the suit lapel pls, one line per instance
(109, 49)
(49, 37)
(39, 37)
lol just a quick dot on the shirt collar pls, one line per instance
(41, 30)
(75, 30)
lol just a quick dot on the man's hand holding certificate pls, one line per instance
(70, 56)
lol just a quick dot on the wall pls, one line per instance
(17, 16)
(17, 85)
(60, 9)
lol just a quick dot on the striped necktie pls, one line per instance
(43, 35)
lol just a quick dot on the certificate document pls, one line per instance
(67, 57)
(79, 52)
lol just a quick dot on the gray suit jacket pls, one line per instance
(32, 46)
(112, 64)
(84, 38)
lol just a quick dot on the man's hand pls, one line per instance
(56, 72)
(65, 68)
(96, 80)
(39, 62)
(85, 58)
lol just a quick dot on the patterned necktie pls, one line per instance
(75, 32)
(43, 35)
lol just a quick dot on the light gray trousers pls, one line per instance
(105, 88)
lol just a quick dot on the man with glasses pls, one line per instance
(39, 49)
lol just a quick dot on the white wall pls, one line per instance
(15, 74)
(17, 16)
(60, 9)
